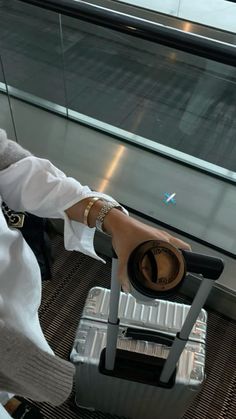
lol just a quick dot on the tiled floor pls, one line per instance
(183, 102)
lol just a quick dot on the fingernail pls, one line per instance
(125, 288)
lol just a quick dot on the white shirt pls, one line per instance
(4, 414)
(36, 186)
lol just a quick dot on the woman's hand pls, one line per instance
(127, 233)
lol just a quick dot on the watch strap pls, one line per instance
(104, 211)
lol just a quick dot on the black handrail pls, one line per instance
(102, 15)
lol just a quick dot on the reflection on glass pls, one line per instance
(111, 168)
(172, 98)
(187, 27)
(6, 116)
(167, 96)
(31, 49)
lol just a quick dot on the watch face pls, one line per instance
(157, 266)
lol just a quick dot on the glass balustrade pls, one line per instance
(6, 114)
(169, 101)
(31, 49)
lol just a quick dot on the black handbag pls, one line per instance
(34, 231)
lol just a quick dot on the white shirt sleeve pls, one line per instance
(35, 185)
(3, 413)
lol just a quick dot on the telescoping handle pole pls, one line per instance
(207, 266)
(212, 268)
(113, 320)
(182, 337)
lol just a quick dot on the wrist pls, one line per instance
(93, 214)
(99, 213)
(114, 220)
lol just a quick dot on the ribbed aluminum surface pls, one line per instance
(128, 398)
(165, 316)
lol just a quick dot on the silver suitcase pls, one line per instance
(157, 315)
(143, 365)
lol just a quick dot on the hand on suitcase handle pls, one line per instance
(162, 253)
(157, 268)
(127, 233)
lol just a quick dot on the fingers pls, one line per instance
(163, 235)
(123, 276)
(179, 243)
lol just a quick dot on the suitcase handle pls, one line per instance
(151, 336)
(206, 265)
(157, 269)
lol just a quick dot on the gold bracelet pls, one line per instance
(88, 208)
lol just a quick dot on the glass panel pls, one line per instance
(6, 119)
(217, 13)
(138, 91)
(31, 49)
(175, 99)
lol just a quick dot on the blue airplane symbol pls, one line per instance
(169, 198)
